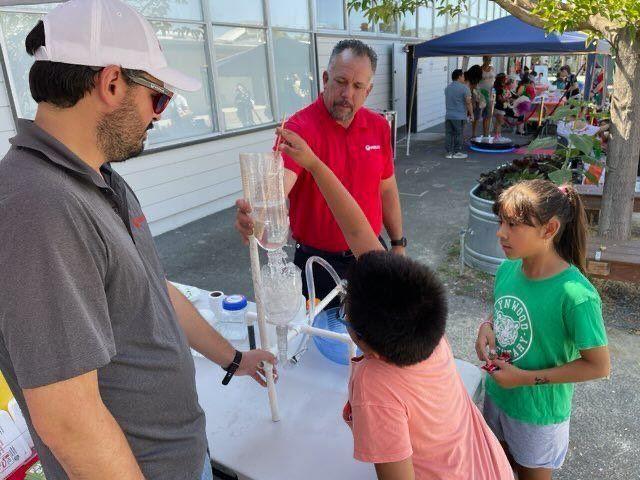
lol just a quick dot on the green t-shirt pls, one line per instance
(543, 324)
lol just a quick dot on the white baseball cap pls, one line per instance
(99, 33)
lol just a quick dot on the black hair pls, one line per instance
(397, 305)
(61, 84)
(536, 202)
(456, 74)
(358, 48)
(500, 81)
(525, 80)
(474, 75)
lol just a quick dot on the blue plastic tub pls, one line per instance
(334, 350)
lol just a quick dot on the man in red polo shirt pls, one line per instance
(356, 144)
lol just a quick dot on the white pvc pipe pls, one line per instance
(320, 332)
(325, 301)
(262, 327)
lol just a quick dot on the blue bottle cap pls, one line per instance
(234, 302)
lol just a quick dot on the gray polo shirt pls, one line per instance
(82, 289)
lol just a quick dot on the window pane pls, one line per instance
(289, 13)
(358, 22)
(330, 14)
(483, 10)
(37, 8)
(189, 114)
(464, 22)
(15, 27)
(473, 8)
(408, 25)
(294, 73)
(440, 25)
(178, 9)
(243, 78)
(473, 22)
(237, 11)
(425, 22)
(390, 27)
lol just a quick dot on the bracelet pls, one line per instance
(486, 322)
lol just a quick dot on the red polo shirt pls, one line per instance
(360, 156)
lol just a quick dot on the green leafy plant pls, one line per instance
(531, 167)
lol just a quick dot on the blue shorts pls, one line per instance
(530, 445)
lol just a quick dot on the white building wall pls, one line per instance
(433, 77)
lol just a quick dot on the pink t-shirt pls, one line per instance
(423, 411)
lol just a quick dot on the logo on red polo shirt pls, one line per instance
(368, 148)
(138, 221)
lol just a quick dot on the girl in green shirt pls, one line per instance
(548, 317)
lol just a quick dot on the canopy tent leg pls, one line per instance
(413, 98)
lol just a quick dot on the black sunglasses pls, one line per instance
(160, 99)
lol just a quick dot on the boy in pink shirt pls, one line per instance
(408, 409)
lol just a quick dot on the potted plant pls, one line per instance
(481, 249)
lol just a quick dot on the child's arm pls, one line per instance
(593, 363)
(402, 470)
(352, 221)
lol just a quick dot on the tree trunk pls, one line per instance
(624, 146)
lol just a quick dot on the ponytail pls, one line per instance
(571, 241)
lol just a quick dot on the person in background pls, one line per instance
(525, 87)
(598, 84)
(409, 412)
(548, 320)
(473, 76)
(459, 110)
(486, 86)
(501, 102)
(355, 143)
(94, 341)
(562, 77)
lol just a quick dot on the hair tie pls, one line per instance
(563, 189)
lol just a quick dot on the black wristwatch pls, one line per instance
(399, 243)
(231, 369)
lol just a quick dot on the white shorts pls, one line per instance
(530, 445)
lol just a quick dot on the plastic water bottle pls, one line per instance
(263, 184)
(232, 324)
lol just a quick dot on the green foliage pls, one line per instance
(557, 15)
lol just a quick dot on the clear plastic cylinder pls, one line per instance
(263, 177)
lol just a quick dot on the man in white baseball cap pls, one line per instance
(94, 342)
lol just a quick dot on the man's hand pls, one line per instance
(295, 147)
(253, 366)
(399, 250)
(510, 376)
(244, 223)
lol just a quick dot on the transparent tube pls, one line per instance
(263, 178)
(311, 288)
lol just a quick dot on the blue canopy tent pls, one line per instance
(502, 37)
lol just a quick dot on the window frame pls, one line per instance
(219, 129)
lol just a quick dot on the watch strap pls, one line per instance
(231, 369)
(399, 243)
